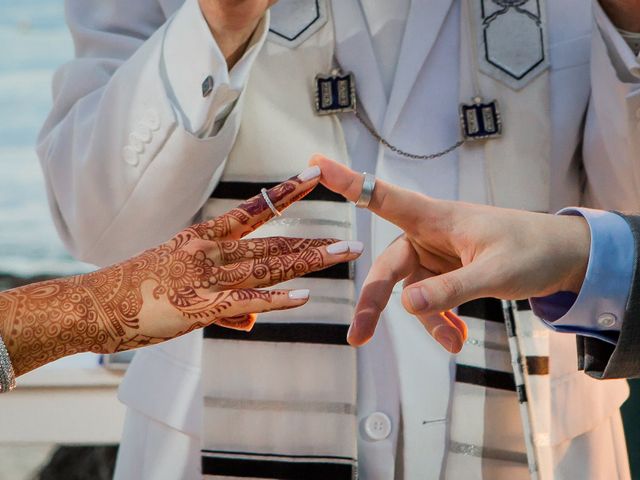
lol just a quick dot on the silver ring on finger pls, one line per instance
(270, 204)
(368, 184)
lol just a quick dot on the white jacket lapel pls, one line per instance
(354, 53)
(423, 26)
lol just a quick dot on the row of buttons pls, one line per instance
(141, 135)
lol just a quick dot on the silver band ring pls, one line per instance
(270, 204)
(368, 184)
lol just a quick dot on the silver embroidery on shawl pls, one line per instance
(512, 39)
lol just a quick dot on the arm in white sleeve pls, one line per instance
(132, 148)
(611, 146)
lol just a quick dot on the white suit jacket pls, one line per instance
(129, 155)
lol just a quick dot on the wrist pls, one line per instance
(577, 238)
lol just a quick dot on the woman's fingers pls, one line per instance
(248, 216)
(402, 207)
(239, 322)
(267, 271)
(238, 309)
(394, 264)
(232, 251)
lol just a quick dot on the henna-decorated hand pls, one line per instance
(205, 274)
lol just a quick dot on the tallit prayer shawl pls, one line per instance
(280, 401)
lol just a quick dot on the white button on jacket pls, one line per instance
(377, 426)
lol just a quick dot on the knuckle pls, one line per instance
(451, 286)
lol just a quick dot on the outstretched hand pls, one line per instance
(452, 253)
(205, 274)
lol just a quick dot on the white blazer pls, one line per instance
(130, 157)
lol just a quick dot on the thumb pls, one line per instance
(444, 292)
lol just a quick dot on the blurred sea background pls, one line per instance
(34, 41)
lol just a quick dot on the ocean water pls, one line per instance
(34, 41)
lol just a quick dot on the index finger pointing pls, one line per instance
(402, 207)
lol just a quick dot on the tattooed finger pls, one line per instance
(232, 251)
(239, 322)
(236, 308)
(264, 272)
(249, 215)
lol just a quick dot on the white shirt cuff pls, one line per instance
(190, 55)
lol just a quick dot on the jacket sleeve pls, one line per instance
(611, 146)
(134, 144)
(601, 359)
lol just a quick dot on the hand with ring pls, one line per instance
(453, 252)
(205, 274)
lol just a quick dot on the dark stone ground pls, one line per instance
(80, 463)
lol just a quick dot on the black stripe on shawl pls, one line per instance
(243, 190)
(538, 365)
(489, 309)
(317, 333)
(282, 469)
(484, 377)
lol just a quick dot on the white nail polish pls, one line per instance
(338, 247)
(309, 173)
(356, 246)
(302, 294)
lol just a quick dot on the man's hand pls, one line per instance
(232, 22)
(624, 14)
(454, 252)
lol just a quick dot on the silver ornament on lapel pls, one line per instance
(335, 93)
(480, 120)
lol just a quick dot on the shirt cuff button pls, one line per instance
(607, 320)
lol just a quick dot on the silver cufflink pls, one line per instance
(207, 86)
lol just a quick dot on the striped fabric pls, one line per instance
(280, 401)
(489, 402)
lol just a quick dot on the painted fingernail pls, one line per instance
(417, 299)
(447, 337)
(309, 173)
(338, 248)
(302, 294)
(356, 246)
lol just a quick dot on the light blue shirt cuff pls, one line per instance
(599, 308)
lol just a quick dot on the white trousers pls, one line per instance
(151, 450)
